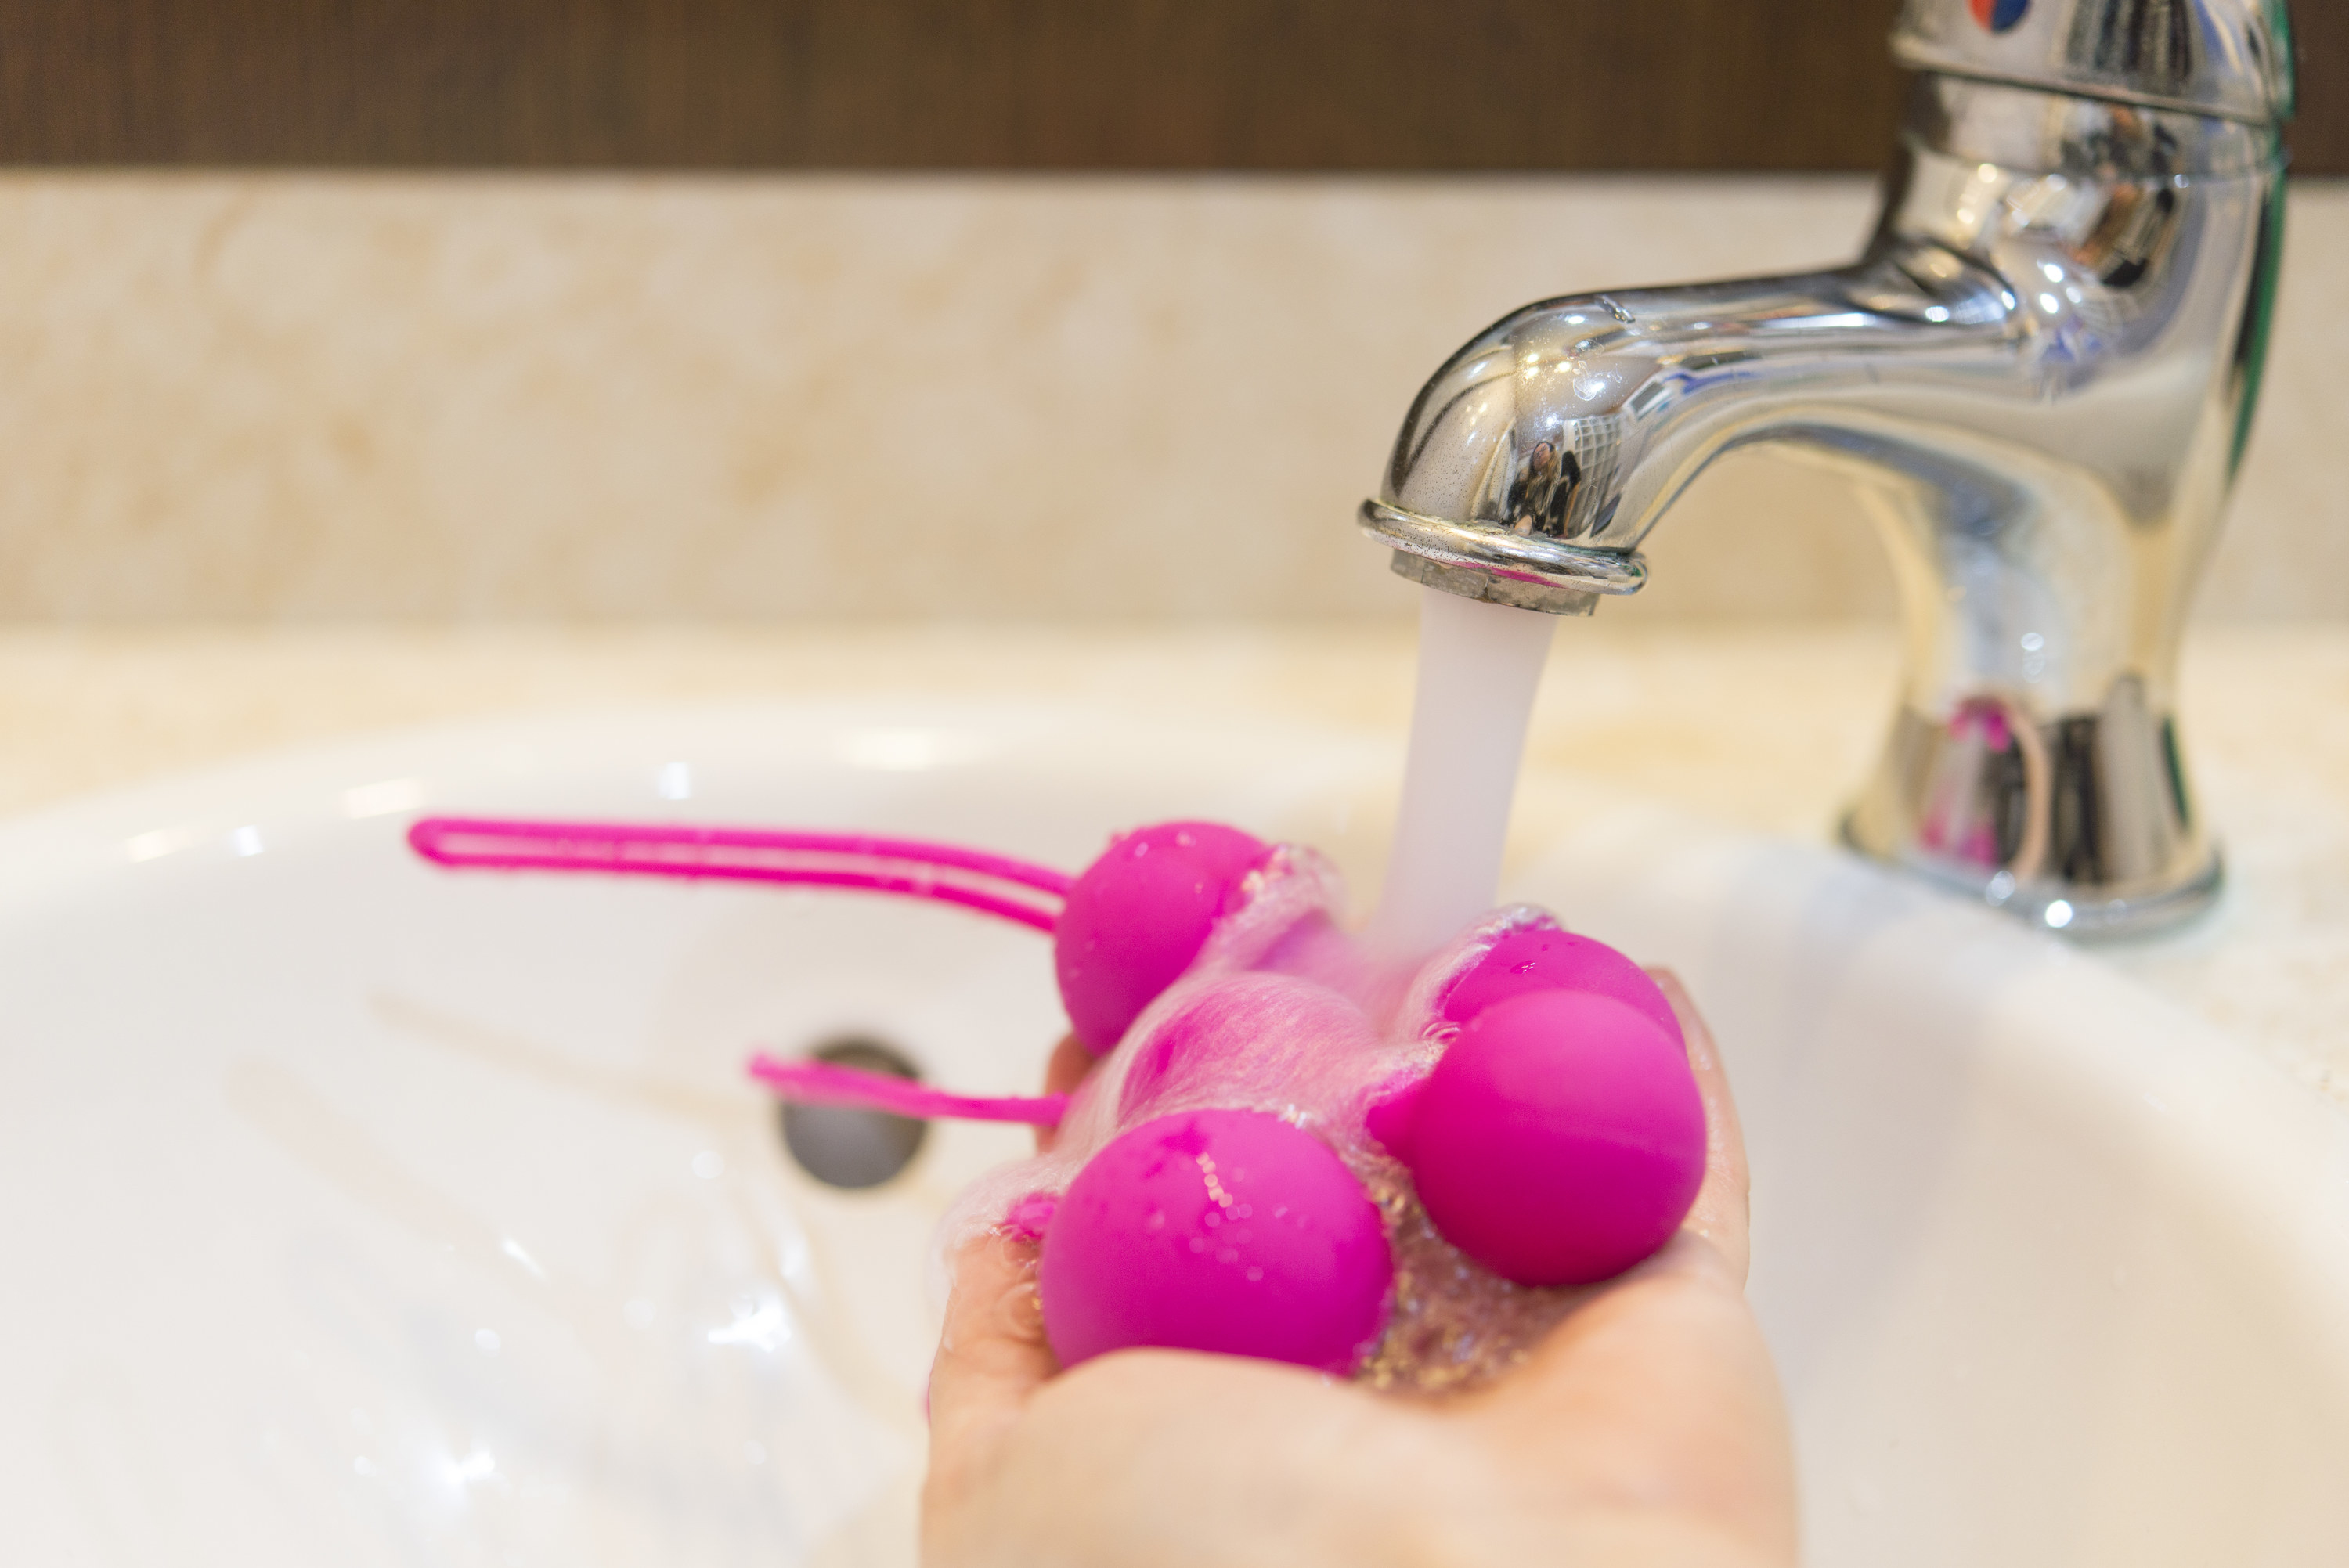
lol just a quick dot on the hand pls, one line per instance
(1646, 1430)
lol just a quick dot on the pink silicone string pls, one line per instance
(911, 868)
(828, 1083)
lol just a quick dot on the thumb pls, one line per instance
(992, 1356)
(1721, 1213)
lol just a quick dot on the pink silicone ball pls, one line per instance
(1559, 1139)
(1224, 1231)
(1136, 917)
(1544, 957)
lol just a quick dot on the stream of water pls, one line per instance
(1479, 667)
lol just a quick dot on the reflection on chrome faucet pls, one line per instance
(2041, 372)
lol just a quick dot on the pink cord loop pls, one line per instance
(1011, 889)
(828, 1083)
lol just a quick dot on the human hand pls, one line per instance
(1646, 1430)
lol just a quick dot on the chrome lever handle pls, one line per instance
(2232, 59)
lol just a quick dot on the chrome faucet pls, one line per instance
(2042, 374)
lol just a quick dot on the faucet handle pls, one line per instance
(2232, 59)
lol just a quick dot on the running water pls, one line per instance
(1479, 666)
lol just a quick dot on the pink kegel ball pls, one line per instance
(1559, 1139)
(1544, 957)
(1224, 1231)
(1136, 917)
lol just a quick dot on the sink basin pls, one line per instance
(361, 1213)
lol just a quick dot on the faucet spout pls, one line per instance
(1546, 449)
(2041, 372)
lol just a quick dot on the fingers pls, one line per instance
(1720, 1212)
(1656, 1404)
(1069, 1066)
(992, 1357)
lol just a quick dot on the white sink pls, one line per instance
(364, 1214)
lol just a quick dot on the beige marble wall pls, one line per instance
(788, 399)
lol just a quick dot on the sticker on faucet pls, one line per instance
(1998, 15)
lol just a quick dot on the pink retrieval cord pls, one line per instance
(1016, 891)
(828, 1083)
(911, 868)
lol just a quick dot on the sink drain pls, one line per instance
(842, 1146)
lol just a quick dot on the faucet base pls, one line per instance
(2079, 913)
(2080, 822)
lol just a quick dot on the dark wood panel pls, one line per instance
(2320, 137)
(979, 84)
